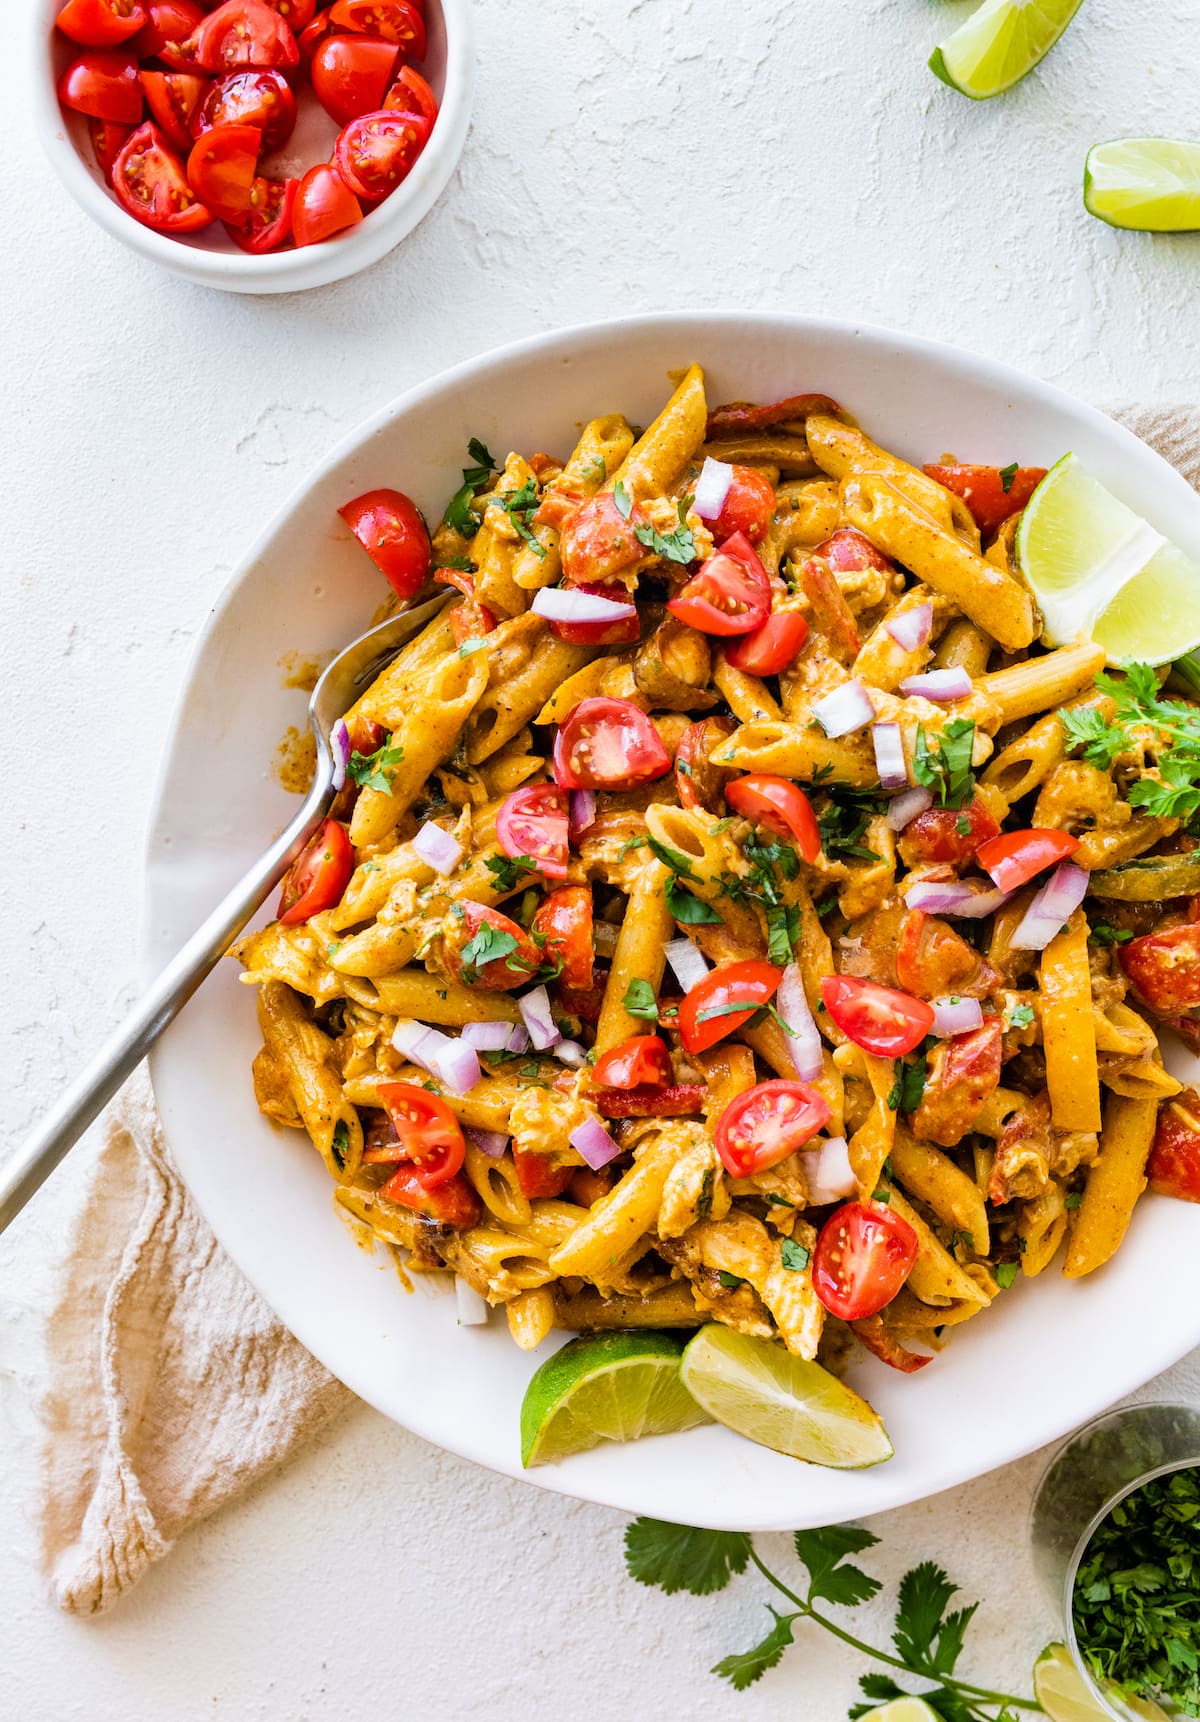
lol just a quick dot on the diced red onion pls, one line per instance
(472, 1309)
(538, 1018)
(436, 847)
(712, 487)
(845, 710)
(953, 1016)
(961, 897)
(339, 747)
(889, 755)
(804, 1042)
(417, 1043)
(583, 812)
(487, 1036)
(912, 628)
(827, 1172)
(1054, 904)
(953, 684)
(563, 604)
(518, 1038)
(489, 1142)
(570, 1052)
(592, 1142)
(903, 809)
(687, 963)
(457, 1064)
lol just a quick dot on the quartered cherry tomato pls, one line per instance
(170, 34)
(104, 84)
(608, 744)
(296, 14)
(598, 542)
(257, 98)
(151, 185)
(483, 948)
(767, 1123)
(748, 506)
(221, 169)
(1016, 857)
(244, 33)
(313, 34)
(863, 1256)
(410, 94)
(108, 138)
(375, 152)
(771, 648)
(173, 98)
(392, 20)
(1174, 1165)
(539, 1176)
(325, 205)
(564, 920)
(453, 1204)
(780, 806)
(676, 1100)
(100, 23)
(698, 781)
(533, 822)
(880, 1019)
(267, 224)
(731, 593)
(991, 493)
(318, 876)
(1165, 967)
(932, 960)
(390, 529)
(620, 632)
(727, 997)
(936, 834)
(350, 75)
(428, 1134)
(642, 1060)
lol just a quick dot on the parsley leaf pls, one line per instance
(1007, 474)
(689, 911)
(459, 513)
(509, 870)
(376, 770)
(677, 1557)
(746, 1666)
(639, 1000)
(793, 1255)
(947, 768)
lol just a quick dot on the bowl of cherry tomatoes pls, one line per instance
(260, 146)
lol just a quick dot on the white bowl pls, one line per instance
(210, 257)
(1050, 1354)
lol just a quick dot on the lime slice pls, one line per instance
(1099, 570)
(998, 44)
(605, 1387)
(1059, 1688)
(757, 1388)
(1151, 184)
(901, 1710)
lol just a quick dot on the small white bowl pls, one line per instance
(210, 257)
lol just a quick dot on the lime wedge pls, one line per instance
(1099, 570)
(1059, 1688)
(901, 1710)
(1151, 184)
(757, 1388)
(605, 1387)
(998, 44)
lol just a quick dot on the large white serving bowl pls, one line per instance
(1048, 1355)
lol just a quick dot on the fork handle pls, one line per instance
(25, 1171)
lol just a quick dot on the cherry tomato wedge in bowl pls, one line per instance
(150, 182)
(428, 1133)
(1016, 857)
(390, 529)
(880, 1019)
(767, 1123)
(780, 806)
(731, 593)
(864, 1254)
(726, 998)
(608, 744)
(642, 1060)
(770, 648)
(378, 150)
(532, 823)
(318, 876)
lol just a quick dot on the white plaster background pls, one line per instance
(629, 154)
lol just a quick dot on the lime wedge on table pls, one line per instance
(901, 1710)
(1100, 570)
(605, 1387)
(1059, 1689)
(998, 44)
(760, 1390)
(1151, 184)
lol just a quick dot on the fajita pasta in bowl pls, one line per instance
(732, 914)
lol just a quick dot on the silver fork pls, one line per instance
(346, 677)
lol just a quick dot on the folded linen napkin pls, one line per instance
(171, 1386)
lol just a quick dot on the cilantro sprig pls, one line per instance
(459, 513)
(1172, 790)
(946, 769)
(520, 506)
(508, 871)
(677, 546)
(376, 770)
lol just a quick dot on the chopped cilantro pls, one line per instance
(376, 770)
(623, 500)
(520, 506)
(730, 1281)
(909, 1084)
(1105, 934)
(489, 945)
(462, 563)
(793, 1255)
(1144, 721)
(1073, 1199)
(459, 513)
(844, 821)
(1006, 1273)
(509, 870)
(1007, 474)
(963, 825)
(1021, 1016)
(947, 769)
(783, 932)
(340, 1145)
(671, 858)
(678, 546)
(639, 1000)
(638, 842)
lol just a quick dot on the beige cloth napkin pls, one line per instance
(172, 1387)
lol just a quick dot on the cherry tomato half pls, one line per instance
(245, 33)
(221, 169)
(748, 506)
(259, 98)
(296, 14)
(100, 23)
(1174, 1165)
(410, 94)
(318, 876)
(325, 205)
(936, 834)
(608, 744)
(863, 1256)
(390, 529)
(698, 781)
(983, 490)
(350, 75)
(313, 34)
(1016, 857)
(880, 1019)
(392, 20)
(771, 648)
(779, 805)
(1165, 967)
(537, 1175)
(564, 920)
(731, 593)
(453, 1204)
(533, 822)
(173, 98)
(375, 152)
(642, 1060)
(483, 948)
(108, 137)
(267, 224)
(104, 85)
(598, 542)
(767, 1123)
(170, 34)
(428, 1134)
(150, 185)
(727, 997)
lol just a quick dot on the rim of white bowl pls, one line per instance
(284, 271)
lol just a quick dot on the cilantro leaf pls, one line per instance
(1007, 474)
(929, 1640)
(794, 1256)
(677, 546)
(489, 945)
(679, 1557)
(823, 1552)
(623, 500)
(1006, 1274)
(340, 1146)
(1021, 1016)
(509, 870)
(845, 819)
(1105, 934)
(520, 506)
(376, 770)
(731, 1282)
(459, 513)
(947, 768)
(639, 1000)
(909, 1082)
(672, 858)
(746, 1666)
(689, 911)
(639, 841)
(1084, 727)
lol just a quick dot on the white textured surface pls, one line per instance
(631, 155)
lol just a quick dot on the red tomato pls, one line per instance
(350, 75)
(410, 94)
(533, 822)
(105, 85)
(618, 633)
(779, 805)
(564, 920)
(390, 529)
(107, 137)
(325, 205)
(982, 489)
(882, 1020)
(676, 1100)
(263, 99)
(1174, 1165)
(583, 1002)
(172, 98)
(608, 744)
(318, 876)
(484, 949)
(452, 1204)
(428, 1133)
(639, 1062)
(767, 1123)
(313, 34)
(887, 1348)
(1016, 857)
(863, 1256)
(771, 648)
(170, 34)
(1165, 967)
(376, 151)
(714, 1007)
(747, 508)
(221, 169)
(151, 185)
(100, 23)
(962, 1073)
(849, 551)
(470, 620)
(268, 222)
(932, 960)
(296, 14)
(597, 542)
(392, 20)
(538, 1176)
(244, 33)
(934, 836)
(731, 594)
(698, 782)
